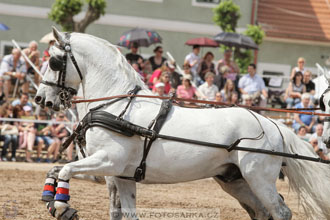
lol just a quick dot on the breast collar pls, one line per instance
(66, 93)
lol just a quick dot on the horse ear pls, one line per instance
(59, 37)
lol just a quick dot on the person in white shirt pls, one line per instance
(208, 90)
(254, 85)
(194, 59)
(13, 68)
(319, 146)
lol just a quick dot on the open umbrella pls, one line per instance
(143, 37)
(235, 40)
(3, 27)
(47, 38)
(202, 42)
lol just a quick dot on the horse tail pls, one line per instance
(311, 180)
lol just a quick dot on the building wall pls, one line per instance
(175, 20)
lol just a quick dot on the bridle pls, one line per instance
(322, 105)
(57, 63)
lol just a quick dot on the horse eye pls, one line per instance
(56, 63)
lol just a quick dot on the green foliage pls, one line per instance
(62, 10)
(98, 5)
(255, 32)
(62, 13)
(226, 15)
(243, 58)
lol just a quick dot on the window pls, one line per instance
(7, 46)
(205, 3)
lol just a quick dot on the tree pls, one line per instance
(63, 11)
(226, 16)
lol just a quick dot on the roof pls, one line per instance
(295, 19)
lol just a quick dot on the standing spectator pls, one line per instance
(2, 91)
(157, 60)
(302, 119)
(193, 59)
(208, 89)
(233, 67)
(309, 84)
(295, 90)
(33, 54)
(13, 68)
(186, 90)
(228, 90)
(316, 140)
(254, 85)
(22, 101)
(299, 68)
(206, 65)
(133, 56)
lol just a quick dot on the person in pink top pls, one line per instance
(186, 90)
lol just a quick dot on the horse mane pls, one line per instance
(131, 74)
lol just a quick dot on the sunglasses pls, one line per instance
(160, 51)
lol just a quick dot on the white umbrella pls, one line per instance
(47, 38)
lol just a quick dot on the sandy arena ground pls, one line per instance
(21, 186)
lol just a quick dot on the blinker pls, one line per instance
(56, 63)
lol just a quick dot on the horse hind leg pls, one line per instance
(232, 182)
(261, 176)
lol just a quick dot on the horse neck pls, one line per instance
(109, 77)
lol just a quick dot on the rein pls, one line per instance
(293, 110)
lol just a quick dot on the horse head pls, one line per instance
(63, 75)
(325, 106)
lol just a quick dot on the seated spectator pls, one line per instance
(233, 67)
(302, 133)
(316, 140)
(187, 71)
(221, 79)
(175, 78)
(2, 91)
(228, 90)
(142, 74)
(208, 90)
(157, 60)
(59, 133)
(155, 76)
(13, 69)
(309, 84)
(299, 68)
(218, 97)
(9, 134)
(27, 134)
(234, 99)
(33, 54)
(42, 135)
(295, 90)
(160, 89)
(254, 85)
(302, 119)
(22, 101)
(206, 65)
(164, 78)
(247, 100)
(186, 90)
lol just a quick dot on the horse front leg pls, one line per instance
(97, 164)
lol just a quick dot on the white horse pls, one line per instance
(249, 177)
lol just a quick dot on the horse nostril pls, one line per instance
(38, 99)
(49, 104)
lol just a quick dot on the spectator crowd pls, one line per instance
(201, 78)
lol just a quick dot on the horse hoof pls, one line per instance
(70, 214)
